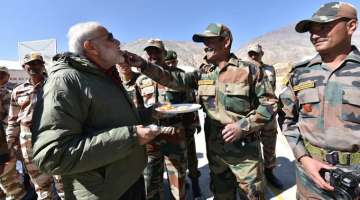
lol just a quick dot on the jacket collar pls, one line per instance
(353, 56)
(68, 59)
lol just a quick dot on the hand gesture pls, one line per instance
(231, 132)
(133, 59)
(312, 168)
(145, 134)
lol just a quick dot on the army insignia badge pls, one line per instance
(307, 107)
(206, 82)
(304, 85)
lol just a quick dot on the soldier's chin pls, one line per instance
(210, 58)
(209, 55)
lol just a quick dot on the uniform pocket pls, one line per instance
(206, 90)
(236, 97)
(207, 95)
(309, 102)
(350, 110)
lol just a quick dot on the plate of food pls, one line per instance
(178, 108)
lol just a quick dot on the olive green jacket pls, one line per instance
(82, 130)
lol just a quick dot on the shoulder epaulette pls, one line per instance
(289, 74)
(301, 64)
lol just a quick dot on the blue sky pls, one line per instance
(25, 20)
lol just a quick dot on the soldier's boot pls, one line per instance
(272, 178)
(196, 188)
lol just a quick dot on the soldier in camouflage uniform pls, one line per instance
(268, 134)
(128, 79)
(238, 102)
(23, 100)
(169, 149)
(321, 101)
(192, 125)
(10, 182)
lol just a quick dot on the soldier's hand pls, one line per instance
(231, 132)
(312, 168)
(145, 134)
(133, 59)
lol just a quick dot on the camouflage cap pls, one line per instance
(257, 48)
(32, 56)
(327, 13)
(213, 30)
(4, 69)
(157, 43)
(170, 55)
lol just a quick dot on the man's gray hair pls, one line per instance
(79, 33)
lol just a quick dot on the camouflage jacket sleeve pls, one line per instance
(4, 152)
(5, 96)
(289, 128)
(177, 80)
(263, 101)
(274, 84)
(13, 128)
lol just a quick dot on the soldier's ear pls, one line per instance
(352, 26)
(227, 42)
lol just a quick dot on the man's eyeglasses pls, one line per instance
(109, 37)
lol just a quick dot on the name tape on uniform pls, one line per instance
(304, 85)
(206, 82)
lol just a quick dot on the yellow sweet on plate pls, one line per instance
(166, 107)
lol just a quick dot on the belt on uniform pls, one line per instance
(333, 157)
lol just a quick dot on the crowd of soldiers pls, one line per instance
(84, 129)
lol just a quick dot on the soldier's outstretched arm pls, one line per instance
(177, 80)
(173, 79)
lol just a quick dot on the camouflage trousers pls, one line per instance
(268, 139)
(233, 166)
(191, 154)
(168, 151)
(10, 182)
(43, 183)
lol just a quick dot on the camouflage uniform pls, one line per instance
(322, 110)
(132, 89)
(192, 125)
(322, 115)
(269, 132)
(170, 149)
(10, 181)
(167, 148)
(5, 95)
(235, 94)
(23, 100)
